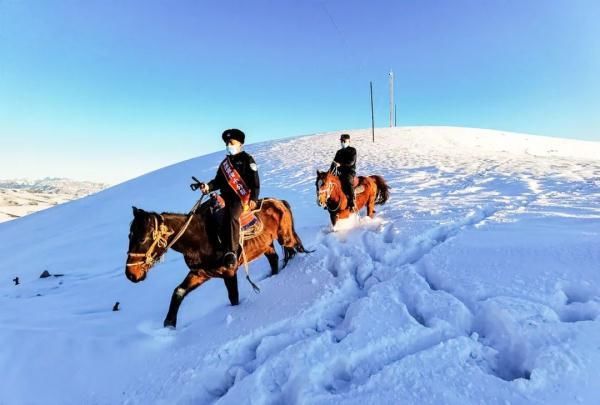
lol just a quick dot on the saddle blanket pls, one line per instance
(357, 189)
(250, 224)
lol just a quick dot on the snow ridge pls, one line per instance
(476, 283)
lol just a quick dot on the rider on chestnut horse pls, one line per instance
(237, 179)
(344, 165)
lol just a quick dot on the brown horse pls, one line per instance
(152, 234)
(370, 191)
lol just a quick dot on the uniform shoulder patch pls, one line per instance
(253, 166)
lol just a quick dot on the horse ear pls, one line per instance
(318, 172)
(135, 211)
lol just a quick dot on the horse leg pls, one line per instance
(334, 217)
(273, 258)
(371, 205)
(191, 282)
(232, 289)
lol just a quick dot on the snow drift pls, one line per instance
(478, 282)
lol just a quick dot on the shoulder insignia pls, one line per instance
(253, 166)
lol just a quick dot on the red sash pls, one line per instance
(235, 181)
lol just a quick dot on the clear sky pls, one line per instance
(110, 89)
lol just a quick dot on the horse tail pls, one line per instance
(289, 239)
(383, 190)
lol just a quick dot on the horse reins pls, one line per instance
(327, 192)
(160, 236)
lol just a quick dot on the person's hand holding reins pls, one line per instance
(199, 185)
(251, 206)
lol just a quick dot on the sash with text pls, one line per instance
(235, 181)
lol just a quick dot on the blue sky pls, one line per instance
(107, 90)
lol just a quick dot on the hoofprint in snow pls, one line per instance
(478, 282)
(22, 197)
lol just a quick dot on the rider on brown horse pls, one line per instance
(344, 165)
(237, 179)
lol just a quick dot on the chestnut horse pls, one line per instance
(151, 234)
(370, 191)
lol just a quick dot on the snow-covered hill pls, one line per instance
(479, 282)
(22, 196)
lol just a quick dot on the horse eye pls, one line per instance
(320, 183)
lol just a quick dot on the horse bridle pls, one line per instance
(327, 192)
(160, 239)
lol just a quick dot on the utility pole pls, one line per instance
(372, 115)
(392, 105)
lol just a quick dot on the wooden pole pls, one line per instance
(372, 114)
(392, 104)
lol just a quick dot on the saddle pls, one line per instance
(250, 225)
(355, 183)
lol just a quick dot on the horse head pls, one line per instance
(325, 184)
(148, 237)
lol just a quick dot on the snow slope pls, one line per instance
(479, 282)
(21, 197)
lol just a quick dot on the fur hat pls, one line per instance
(233, 133)
(344, 137)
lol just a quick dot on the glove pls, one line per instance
(202, 186)
(251, 206)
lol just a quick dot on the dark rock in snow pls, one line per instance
(45, 274)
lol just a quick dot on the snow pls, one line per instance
(21, 197)
(478, 282)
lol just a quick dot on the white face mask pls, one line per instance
(345, 144)
(233, 149)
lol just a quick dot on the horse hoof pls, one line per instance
(169, 324)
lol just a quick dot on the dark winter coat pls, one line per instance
(246, 167)
(346, 157)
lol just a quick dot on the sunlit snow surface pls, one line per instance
(478, 282)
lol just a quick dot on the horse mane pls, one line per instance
(201, 210)
(169, 213)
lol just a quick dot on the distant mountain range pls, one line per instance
(19, 197)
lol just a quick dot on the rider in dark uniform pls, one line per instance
(244, 164)
(344, 164)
